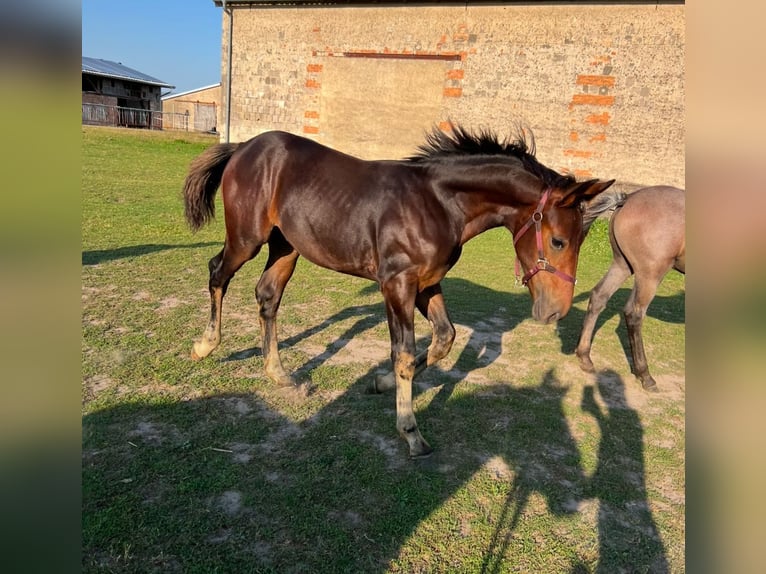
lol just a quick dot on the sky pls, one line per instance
(175, 41)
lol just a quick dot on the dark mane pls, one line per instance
(441, 145)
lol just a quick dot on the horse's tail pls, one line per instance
(602, 204)
(202, 181)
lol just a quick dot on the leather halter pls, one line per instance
(542, 263)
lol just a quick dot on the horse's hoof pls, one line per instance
(283, 380)
(295, 389)
(650, 386)
(286, 382)
(419, 448)
(201, 349)
(424, 452)
(377, 385)
(382, 383)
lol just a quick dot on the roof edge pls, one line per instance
(120, 72)
(187, 92)
(416, 3)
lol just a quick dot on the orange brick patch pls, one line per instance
(453, 92)
(584, 80)
(592, 99)
(310, 130)
(578, 153)
(599, 119)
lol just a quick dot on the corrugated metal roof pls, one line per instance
(109, 69)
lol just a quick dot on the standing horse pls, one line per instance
(400, 223)
(647, 233)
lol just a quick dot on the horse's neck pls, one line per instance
(489, 195)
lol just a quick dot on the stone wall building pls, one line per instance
(600, 85)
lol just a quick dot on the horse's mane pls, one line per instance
(460, 142)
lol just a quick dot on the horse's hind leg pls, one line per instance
(222, 268)
(268, 293)
(635, 311)
(616, 275)
(430, 302)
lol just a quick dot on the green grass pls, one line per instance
(207, 467)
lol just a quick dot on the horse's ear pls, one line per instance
(583, 191)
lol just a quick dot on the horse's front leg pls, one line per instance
(430, 302)
(399, 295)
(616, 275)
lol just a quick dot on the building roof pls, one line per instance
(109, 69)
(383, 3)
(187, 92)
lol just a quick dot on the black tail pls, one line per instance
(204, 177)
(600, 205)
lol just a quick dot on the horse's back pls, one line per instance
(650, 228)
(268, 164)
(276, 151)
(336, 210)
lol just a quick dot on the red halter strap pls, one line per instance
(542, 262)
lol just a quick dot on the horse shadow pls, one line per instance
(485, 312)
(97, 256)
(334, 492)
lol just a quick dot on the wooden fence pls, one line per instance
(104, 115)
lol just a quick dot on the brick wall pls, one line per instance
(601, 87)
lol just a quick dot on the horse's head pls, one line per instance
(547, 238)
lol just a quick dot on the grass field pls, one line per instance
(207, 467)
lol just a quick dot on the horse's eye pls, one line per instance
(557, 244)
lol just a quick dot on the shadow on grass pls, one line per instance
(231, 483)
(103, 255)
(486, 312)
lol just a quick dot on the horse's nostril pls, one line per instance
(553, 318)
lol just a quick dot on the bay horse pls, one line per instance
(648, 238)
(401, 223)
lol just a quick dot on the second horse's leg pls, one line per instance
(635, 311)
(268, 293)
(616, 275)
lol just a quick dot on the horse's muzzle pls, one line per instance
(552, 318)
(547, 314)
